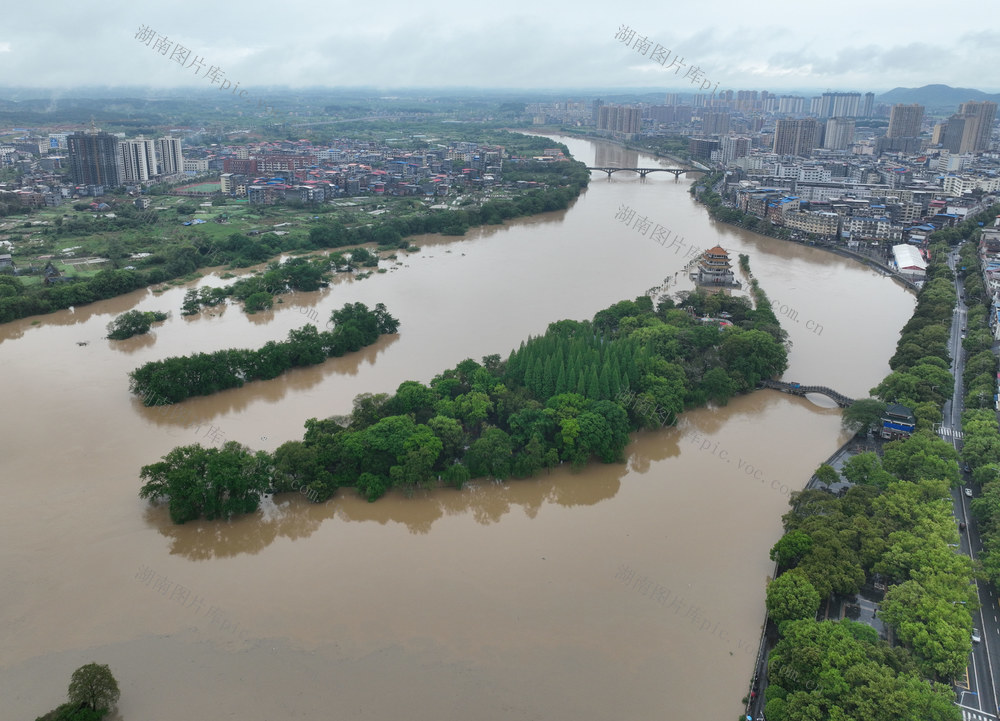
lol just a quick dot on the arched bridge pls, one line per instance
(643, 172)
(797, 389)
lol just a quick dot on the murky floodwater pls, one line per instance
(620, 590)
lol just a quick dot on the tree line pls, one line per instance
(554, 400)
(257, 291)
(175, 379)
(981, 437)
(893, 526)
(563, 182)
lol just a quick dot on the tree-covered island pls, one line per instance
(568, 396)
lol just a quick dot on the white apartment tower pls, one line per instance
(168, 152)
(839, 133)
(136, 160)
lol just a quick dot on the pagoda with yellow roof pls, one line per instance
(714, 268)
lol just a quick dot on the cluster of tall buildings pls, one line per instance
(968, 130)
(619, 120)
(98, 158)
(803, 135)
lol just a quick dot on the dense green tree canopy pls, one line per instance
(864, 415)
(210, 482)
(94, 686)
(791, 597)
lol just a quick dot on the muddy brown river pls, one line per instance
(620, 591)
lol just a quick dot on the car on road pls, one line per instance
(976, 638)
(967, 468)
(968, 492)
(961, 525)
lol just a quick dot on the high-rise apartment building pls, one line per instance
(733, 147)
(795, 137)
(839, 133)
(714, 123)
(93, 158)
(905, 121)
(954, 132)
(137, 159)
(979, 117)
(169, 155)
(791, 105)
(620, 119)
(868, 105)
(839, 105)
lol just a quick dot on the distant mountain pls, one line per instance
(936, 97)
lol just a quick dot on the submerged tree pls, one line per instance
(94, 687)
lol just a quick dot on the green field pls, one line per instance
(201, 188)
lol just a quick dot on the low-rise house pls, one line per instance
(897, 422)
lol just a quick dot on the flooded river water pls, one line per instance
(627, 590)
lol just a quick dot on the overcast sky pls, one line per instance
(845, 45)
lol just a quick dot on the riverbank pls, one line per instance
(434, 582)
(823, 575)
(772, 231)
(754, 700)
(623, 144)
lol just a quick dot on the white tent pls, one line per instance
(909, 261)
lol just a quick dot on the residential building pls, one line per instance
(795, 137)
(833, 105)
(620, 119)
(701, 148)
(954, 132)
(240, 166)
(791, 105)
(868, 105)
(169, 155)
(824, 223)
(905, 121)
(137, 160)
(839, 133)
(714, 123)
(979, 117)
(733, 147)
(93, 158)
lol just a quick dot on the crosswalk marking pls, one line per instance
(968, 715)
(944, 431)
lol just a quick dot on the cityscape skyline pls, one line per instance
(510, 47)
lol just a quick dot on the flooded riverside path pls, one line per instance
(622, 590)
